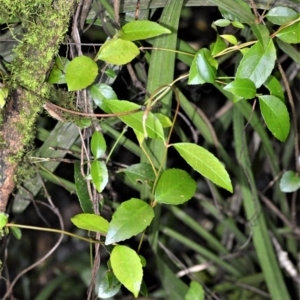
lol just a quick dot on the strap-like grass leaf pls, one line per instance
(174, 186)
(289, 182)
(141, 30)
(130, 218)
(275, 115)
(205, 163)
(242, 88)
(99, 175)
(153, 127)
(258, 63)
(127, 267)
(80, 73)
(90, 222)
(98, 145)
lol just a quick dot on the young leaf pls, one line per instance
(3, 220)
(280, 15)
(195, 292)
(141, 30)
(230, 38)
(80, 73)
(127, 267)
(100, 92)
(81, 190)
(174, 186)
(205, 163)
(275, 87)
(289, 182)
(238, 24)
(17, 233)
(109, 286)
(90, 222)
(140, 173)
(131, 217)
(98, 145)
(276, 116)
(222, 22)
(290, 34)
(244, 88)
(135, 120)
(118, 52)
(164, 120)
(258, 63)
(57, 74)
(218, 46)
(99, 175)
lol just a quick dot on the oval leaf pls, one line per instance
(90, 222)
(275, 115)
(80, 73)
(17, 233)
(57, 74)
(130, 218)
(140, 173)
(258, 63)
(118, 52)
(141, 30)
(81, 190)
(109, 286)
(153, 127)
(230, 38)
(289, 182)
(275, 87)
(242, 88)
(99, 175)
(281, 15)
(222, 22)
(100, 92)
(127, 267)
(98, 145)
(195, 292)
(174, 186)
(205, 163)
(3, 219)
(290, 34)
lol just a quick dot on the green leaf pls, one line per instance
(205, 163)
(218, 46)
(203, 68)
(276, 116)
(290, 34)
(131, 217)
(101, 92)
(275, 87)
(140, 173)
(99, 175)
(222, 22)
(230, 38)
(127, 267)
(16, 232)
(3, 96)
(80, 73)
(258, 63)
(244, 88)
(238, 24)
(57, 74)
(90, 222)
(174, 186)
(141, 30)
(153, 127)
(118, 52)
(81, 190)
(164, 120)
(195, 292)
(3, 220)
(280, 15)
(262, 33)
(289, 182)
(109, 286)
(98, 145)
(289, 50)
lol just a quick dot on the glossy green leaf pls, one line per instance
(290, 50)
(262, 33)
(3, 96)
(127, 267)
(195, 292)
(131, 218)
(98, 145)
(80, 73)
(58, 72)
(99, 175)
(3, 220)
(290, 34)
(81, 190)
(237, 24)
(258, 63)
(164, 120)
(275, 87)
(118, 52)
(140, 173)
(276, 116)
(90, 222)
(280, 15)
(230, 38)
(244, 88)
(222, 22)
(17, 233)
(203, 68)
(218, 46)
(109, 286)
(205, 163)
(100, 92)
(174, 186)
(153, 127)
(141, 30)
(289, 182)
